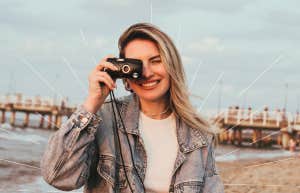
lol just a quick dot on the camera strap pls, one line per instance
(114, 102)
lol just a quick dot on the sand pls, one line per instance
(277, 175)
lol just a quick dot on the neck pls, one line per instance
(156, 109)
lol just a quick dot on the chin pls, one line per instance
(153, 97)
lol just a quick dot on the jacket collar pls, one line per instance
(188, 138)
(130, 112)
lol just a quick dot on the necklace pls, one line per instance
(153, 115)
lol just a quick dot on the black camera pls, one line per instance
(127, 68)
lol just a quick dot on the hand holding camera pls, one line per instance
(103, 76)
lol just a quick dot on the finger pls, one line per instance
(111, 66)
(104, 59)
(106, 75)
(103, 81)
(106, 65)
(107, 78)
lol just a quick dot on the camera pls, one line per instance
(127, 68)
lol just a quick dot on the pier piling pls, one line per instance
(2, 116)
(13, 118)
(26, 120)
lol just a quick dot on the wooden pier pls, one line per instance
(258, 128)
(50, 113)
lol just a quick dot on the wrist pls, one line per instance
(92, 104)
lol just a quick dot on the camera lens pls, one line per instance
(135, 75)
(125, 68)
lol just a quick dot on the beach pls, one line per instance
(242, 169)
(275, 175)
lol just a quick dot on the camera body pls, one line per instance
(127, 68)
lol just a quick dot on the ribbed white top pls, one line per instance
(160, 141)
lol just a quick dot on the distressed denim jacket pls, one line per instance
(83, 152)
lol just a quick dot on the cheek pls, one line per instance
(168, 82)
(166, 77)
(132, 84)
(163, 72)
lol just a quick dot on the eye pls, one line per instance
(156, 61)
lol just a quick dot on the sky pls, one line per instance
(237, 52)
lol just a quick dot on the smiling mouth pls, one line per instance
(149, 84)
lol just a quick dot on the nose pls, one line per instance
(147, 71)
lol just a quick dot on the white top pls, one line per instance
(160, 141)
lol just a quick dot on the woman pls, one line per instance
(171, 145)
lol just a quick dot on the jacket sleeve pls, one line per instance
(212, 180)
(69, 152)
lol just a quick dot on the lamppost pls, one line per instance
(220, 95)
(55, 95)
(286, 95)
(298, 103)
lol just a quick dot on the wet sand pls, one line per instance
(13, 175)
(241, 169)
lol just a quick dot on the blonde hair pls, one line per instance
(178, 92)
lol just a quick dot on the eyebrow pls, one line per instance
(154, 57)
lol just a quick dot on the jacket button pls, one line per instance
(84, 120)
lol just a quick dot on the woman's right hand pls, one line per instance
(97, 94)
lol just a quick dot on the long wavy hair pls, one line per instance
(178, 92)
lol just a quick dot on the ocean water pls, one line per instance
(226, 153)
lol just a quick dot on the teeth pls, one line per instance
(150, 84)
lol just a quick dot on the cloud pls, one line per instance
(224, 7)
(229, 89)
(187, 60)
(284, 18)
(115, 3)
(237, 37)
(206, 45)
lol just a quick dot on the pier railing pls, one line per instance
(234, 121)
(43, 107)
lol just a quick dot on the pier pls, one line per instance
(237, 125)
(262, 128)
(50, 114)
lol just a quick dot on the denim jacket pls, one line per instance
(83, 152)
